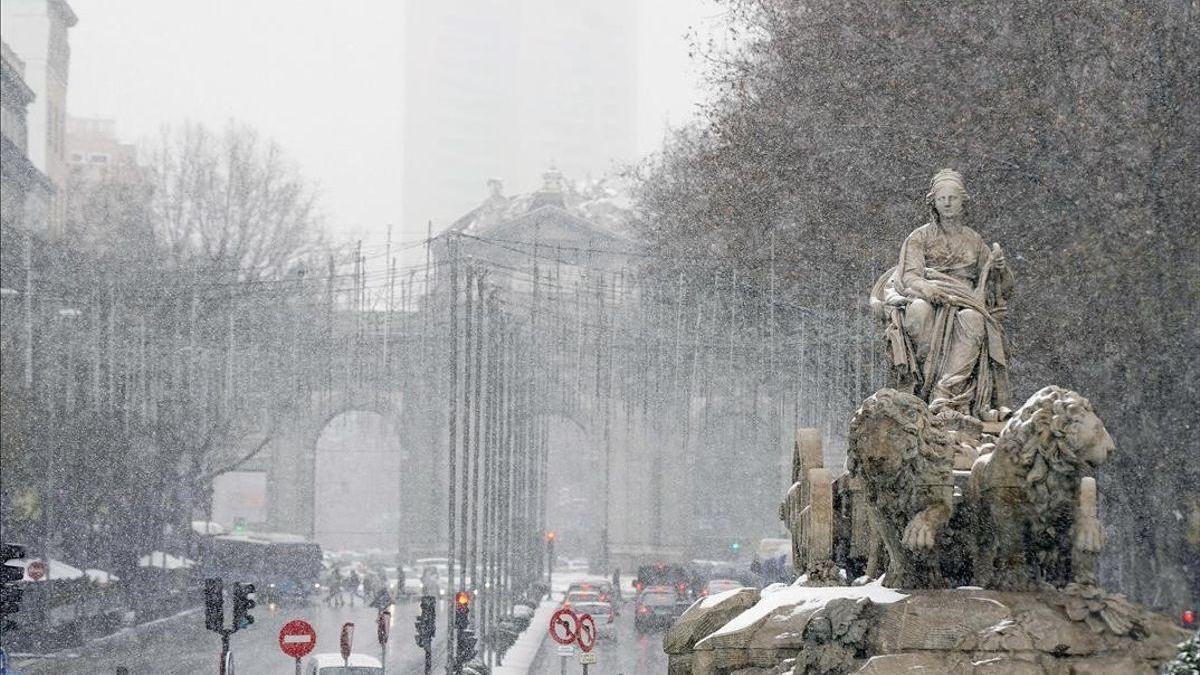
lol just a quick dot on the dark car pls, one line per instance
(656, 607)
(669, 575)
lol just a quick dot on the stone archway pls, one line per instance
(574, 484)
(292, 466)
(358, 468)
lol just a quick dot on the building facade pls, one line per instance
(94, 151)
(36, 31)
(26, 190)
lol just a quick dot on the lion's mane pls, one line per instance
(1041, 438)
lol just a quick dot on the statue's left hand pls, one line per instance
(998, 261)
(1089, 535)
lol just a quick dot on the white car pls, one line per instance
(333, 664)
(715, 586)
(602, 614)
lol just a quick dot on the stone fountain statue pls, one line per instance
(943, 304)
(979, 525)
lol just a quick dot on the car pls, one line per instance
(655, 607)
(715, 586)
(604, 588)
(602, 613)
(575, 597)
(332, 664)
(665, 574)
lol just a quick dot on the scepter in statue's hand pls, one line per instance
(995, 260)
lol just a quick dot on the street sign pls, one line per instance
(588, 658)
(587, 632)
(566, 651)
(346, 642)
(381, 626)
(564, 626)
(35, 570)
(297, 638)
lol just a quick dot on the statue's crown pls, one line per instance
(947, 176)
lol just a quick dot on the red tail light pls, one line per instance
(1188, 618)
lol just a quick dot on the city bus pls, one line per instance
(282, 567)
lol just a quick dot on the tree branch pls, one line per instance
(205, 478)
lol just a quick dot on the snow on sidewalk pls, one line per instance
(520, 657)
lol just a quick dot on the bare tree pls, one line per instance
(231, 201)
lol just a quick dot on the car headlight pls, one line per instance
(316, 585)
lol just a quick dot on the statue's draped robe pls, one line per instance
(954, 351)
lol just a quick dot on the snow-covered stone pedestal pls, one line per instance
(877, 630)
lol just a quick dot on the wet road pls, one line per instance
(181, 646)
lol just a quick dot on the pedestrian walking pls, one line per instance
(352, 583)
(334, 598)
(429, 582)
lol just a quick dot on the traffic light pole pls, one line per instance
(224, 651)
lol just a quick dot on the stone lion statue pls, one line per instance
(1025, 494)
(905, 464)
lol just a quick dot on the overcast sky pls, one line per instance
(325, 79)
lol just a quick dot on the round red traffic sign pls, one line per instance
(297, 638)
(564, 626)
(36, 569)
(587, 632)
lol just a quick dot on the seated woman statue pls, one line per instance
(942, 306)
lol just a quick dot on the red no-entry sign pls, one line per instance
(36, 569)
(297, 638)
(564, 626)
(587, 632)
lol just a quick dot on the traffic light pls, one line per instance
(464, 644)
(426, 623)
(735, 547)
(10, 595)
(462, 610)
(242, 604)
(214, 605)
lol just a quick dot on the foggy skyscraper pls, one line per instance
(505, 89)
